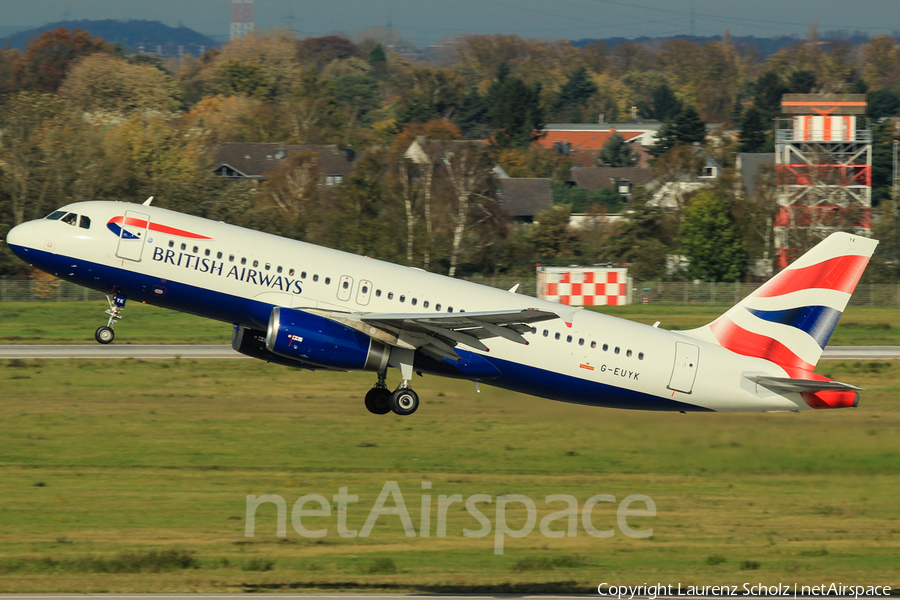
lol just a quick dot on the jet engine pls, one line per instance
(323, 343)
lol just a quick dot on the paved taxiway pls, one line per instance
(225, 352)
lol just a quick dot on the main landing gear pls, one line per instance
(380, 400)
(105, 334)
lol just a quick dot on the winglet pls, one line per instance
(148, 201)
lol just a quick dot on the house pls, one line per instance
(671, 187)
(582, 142)
(622, 179)
(524, 197)
(255, 161)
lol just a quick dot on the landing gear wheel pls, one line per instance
(378, 401)
(104, 335)
(404, 401)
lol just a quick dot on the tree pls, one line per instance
(882, 103)
(616, 152)
(378, 60)
(236, 77)
(754, 132)
(663, 104)
(474, 118)
(767, 94)
(517, 113)
(689, 128)
(710, 241)
(319, 51)
(104, 82)
(574, 96)
(801, 82)
(643, 238)
(49, 57)
(553, 241)
(883, 161)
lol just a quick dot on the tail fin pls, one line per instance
(791, 317)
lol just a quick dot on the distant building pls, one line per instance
(241, 18)
(670, 189)
(621, 179)
(255, 161)
(524, 197)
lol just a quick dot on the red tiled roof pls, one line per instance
(584, 139)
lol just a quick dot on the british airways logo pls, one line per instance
(128, 228)
(215, 267)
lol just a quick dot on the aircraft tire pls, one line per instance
(404, 401)
(378, 401)
(104, 335)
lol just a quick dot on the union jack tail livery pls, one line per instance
(789, 320)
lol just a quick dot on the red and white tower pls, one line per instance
(823, 166)
(241, 18)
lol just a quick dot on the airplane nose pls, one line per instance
(17, 239)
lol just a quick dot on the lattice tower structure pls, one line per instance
(241, 18)
(823, 168)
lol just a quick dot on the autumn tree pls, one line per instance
(517, 113)
(573, 97)
(616, 152)
(104, 82)
(710, 241)
(48, 59)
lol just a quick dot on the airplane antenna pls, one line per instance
(513, 289)
(148, 201)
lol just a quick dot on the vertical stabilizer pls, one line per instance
(791, 317)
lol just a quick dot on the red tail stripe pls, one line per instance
(746, 343)
(840, 273)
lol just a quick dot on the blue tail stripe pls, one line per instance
(817, 321)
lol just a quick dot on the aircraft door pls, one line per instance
(364, 292)
(345, 288)
(684, 372)
(132, 235)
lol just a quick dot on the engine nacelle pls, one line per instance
(252, 343)
(324, 343)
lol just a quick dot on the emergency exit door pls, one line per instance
(685, 370)
(132, 235)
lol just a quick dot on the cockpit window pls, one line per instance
(85, 222)
(70, 218)
(55, 216)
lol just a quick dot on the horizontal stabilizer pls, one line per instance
(788, 385)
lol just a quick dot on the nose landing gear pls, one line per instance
(105, 334)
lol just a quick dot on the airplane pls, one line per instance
(309, 307)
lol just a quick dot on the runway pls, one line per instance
(168, 352)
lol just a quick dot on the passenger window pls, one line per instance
(244, 260)
(328, 281)
(628, 353)
(402, 298)
(278, 270)
(616, 350)
(640, 356)
(437, 307)
(546, 333)
(85, 222)
(315, 277)
(231, 258)
(593, 344)
(255, 263)
(378, 293)
(268, 266)
(171, 243)
(184, 246)
(390, 295)
(581, 342)
(302, 275)
(365, 289)
(55, 216)
(346, 284)
(415, 301)
(70, 218)
(291, 272)
(569, 338)
(196, 249)
(605, 347)
(218, 255)
(206, 252)
(557, 336)
(449, 309)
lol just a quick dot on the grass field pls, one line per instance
(131, 476)
(75, 322)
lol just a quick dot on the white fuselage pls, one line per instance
(238, 275)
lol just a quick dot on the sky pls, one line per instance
(427, 21)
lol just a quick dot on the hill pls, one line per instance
(133, 35)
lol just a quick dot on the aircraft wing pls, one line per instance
(440, 333)
(788, 385)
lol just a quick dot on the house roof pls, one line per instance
(523, 197)
(583, 139)
(598, 178)
(583, 157)
(256, 160)
(750, 165)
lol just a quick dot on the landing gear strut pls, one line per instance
(378, 398)
(105, 334)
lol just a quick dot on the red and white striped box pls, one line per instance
(589, 286)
